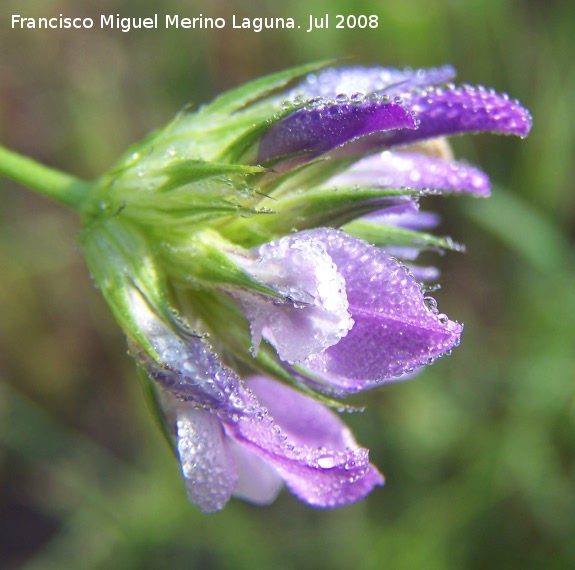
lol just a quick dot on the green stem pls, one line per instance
(57, 185)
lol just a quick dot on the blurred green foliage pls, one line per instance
(479, 450)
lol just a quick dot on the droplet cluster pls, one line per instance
(365, 80)
(398, 170)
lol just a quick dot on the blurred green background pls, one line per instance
(478, 451)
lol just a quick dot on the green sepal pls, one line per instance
(305, 209)
(233, 100)
(187, 171)
(217, 125)
(248, 140)
(312, 173)
(381, 234)
(204, 259)
(122, 264)
(151, 393)
(185, 192)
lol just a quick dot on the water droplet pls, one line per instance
(326, 462)
(431, 304)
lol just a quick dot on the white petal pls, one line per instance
(207, 464)
(258, 482)
(317, 315)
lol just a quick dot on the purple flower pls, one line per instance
(288, 438)
(289, 269)
(248, 438)
(376, 323)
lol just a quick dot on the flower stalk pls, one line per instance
(54, 184)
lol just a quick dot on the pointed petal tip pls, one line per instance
(458, 110)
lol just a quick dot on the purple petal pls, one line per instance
(325, 127)
(394, 332)
(398, 170)
(461, 110)
(307, 445)
(304, 420)
(191, 371)
(427, 274)
(332, 82)
(402, 252)
(409, 220)
(409, 206)
(207, 464)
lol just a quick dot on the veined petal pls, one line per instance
(332, 82)
(395, 330)
(323, 127)
(396, 170)
(307, 445)
(316, 315)
(446, 112)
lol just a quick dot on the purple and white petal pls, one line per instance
(395, 331)
(307, 445)
(208, 467)
(316, 315)
(190, 370)
(446, 112)
(331, 82)
(397, 170)
(324, 127)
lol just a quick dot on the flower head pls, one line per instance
(256, 253)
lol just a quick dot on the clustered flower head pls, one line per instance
(260, 253)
